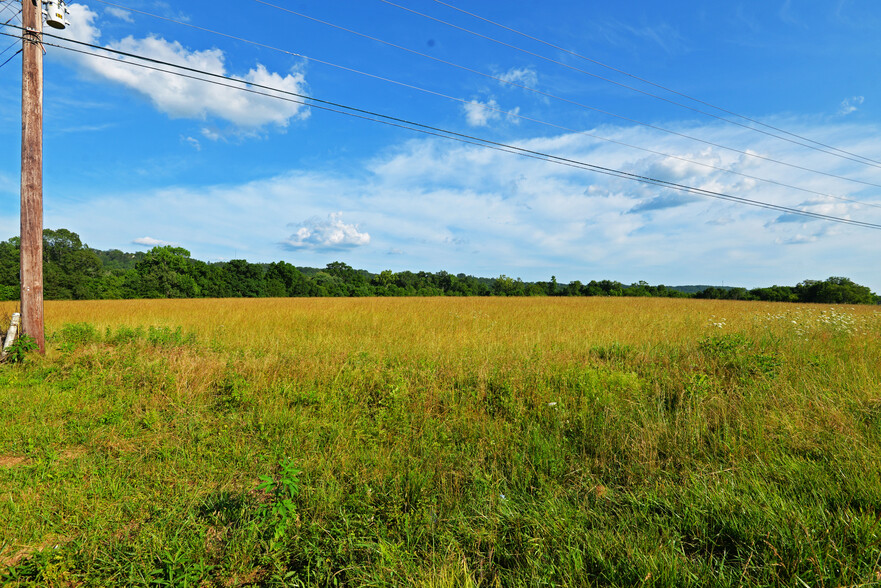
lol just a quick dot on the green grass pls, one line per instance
(743, 455)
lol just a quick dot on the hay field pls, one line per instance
(444, 442)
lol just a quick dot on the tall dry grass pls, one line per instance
(447, 441)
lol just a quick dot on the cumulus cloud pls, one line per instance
(331, 234)
(81, 24)
(524, 76)
(151, 242)
(430, 204)
(184, 97)
(851, 105)
(480, 114)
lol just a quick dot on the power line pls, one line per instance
(439, 132)
(614, 141)
(10, 58)
(14, 43)
(566, 100)
(651, 83)
(420, 89)
(861, 159)
(8, 5)
(8, 20)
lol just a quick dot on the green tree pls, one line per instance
(552, 287)
(835, 290)
(774, 294)
(244, 279)
(9, 269)
(605, 288)
(505, 286)
(70, 269)
(293, 281)
(165, 272)
(573, 288)
(326, 284)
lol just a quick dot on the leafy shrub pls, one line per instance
(17, 352)
(724, 346)
(280, 510)
(73, 335)
(232, 391)
(168, 337)
(736, 355)
(124, 334)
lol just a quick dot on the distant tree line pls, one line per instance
(74, 271)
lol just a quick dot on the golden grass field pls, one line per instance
(444, 441)
(432, 326)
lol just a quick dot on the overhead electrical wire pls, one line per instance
(18, 38)
(647, 81)
(14, 43)
(559, 98)
(622, 143)
(7, 5)
(517, 115)
(863, 160)
(489, 76)
(10, 58)
(8, 20)
(279, 94)
(374, 76)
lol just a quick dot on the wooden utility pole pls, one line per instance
(32, 172)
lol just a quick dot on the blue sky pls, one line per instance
(135, 158)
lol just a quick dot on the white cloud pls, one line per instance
(180, 97)
(480, 114)
(193, 142)
(81, 25)
(211, 134)
(151, 242)
(326, 235)
(851, 105)
(524, 76)
(119, 13)
(434, 205)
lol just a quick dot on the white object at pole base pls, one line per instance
(12, 332)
